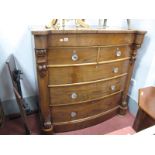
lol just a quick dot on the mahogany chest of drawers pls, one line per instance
(83, 75)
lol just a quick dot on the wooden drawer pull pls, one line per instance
(115, 69)
(73, 114)
(113, 87)
(74, 56)
(73, 95)
(118, 52)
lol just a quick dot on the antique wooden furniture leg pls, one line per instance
(134, 47)
(41, 59)
(146, 112)
(12, 68)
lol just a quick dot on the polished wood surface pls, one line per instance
(146, 111)
(63, 55)
(63, 95)
(94, 72)
(147, 101)
(83, 75)
(83, 123)
(89, 39)
(84, 110)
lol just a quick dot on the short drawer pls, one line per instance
(71, 55)
(84, 110)
(114, 53)
(67, 56)
(85, 92)
(76, 74)
(90, 39)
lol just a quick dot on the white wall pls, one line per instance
(15, 38)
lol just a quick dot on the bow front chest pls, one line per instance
(83, 75)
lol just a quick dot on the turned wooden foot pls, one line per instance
(123, 108)
(47, 128)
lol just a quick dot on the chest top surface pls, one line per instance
(44, 31)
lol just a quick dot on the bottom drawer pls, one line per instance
(71, 113)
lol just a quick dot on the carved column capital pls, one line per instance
(41, 52)
(41, 55)
(42, 68)
(134, 48)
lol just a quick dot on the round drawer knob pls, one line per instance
(61, 40)
(74, 56)
(73, 95)
(113, 87)
(118, 52)
(73, 114)
(115, 69)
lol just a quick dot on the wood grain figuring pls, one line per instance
(90, 39)
(88, 82)
(84, 110)
(86, 73)
(83, 75)
(92, 100)
(85, 92)
(85, 55)
(63, 127)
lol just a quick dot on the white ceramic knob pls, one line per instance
(113, 87)
(61, 40)
(73, 114)
(115, 69)
(73, 95)
(74, 56)
(118, 52)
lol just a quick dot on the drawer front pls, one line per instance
(86, 55)
(69, 75)
(84, 110)
(89, 39)
(72, 55)
(86, 92)
(114, 53)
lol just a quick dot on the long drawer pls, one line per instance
(86, 55)
(84, 110)
(69, 75)
(89, 39)
(85, 92)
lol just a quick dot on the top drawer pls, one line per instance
(89, 39)
(86, 55)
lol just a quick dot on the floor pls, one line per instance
(14, 127)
